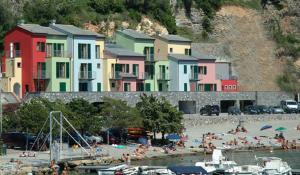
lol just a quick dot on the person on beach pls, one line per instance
(128, 160)
(294, 144)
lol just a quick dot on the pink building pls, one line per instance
(125, 69)
(207, 74)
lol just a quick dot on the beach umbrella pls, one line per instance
(280, 129)
(265, 127)
(173, 137)
(143, 141)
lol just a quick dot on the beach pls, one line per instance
(195, 126)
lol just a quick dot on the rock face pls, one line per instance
(151, 28)
(146, 25)
(193, 21)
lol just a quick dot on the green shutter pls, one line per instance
(206, 87)
(185, 86)
(99, 87)
(89, 51)
(127, 68)
(67, 70)
(79, 51)
(185, 69)
(89, 67)
(145, 51)
(57, 70)
(190, 51)
(62, 87)
(148, 87)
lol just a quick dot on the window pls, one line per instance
(113, 84)
(84, 51)
(201, 87)
(226, 87)
(62, 70)
(83, 86)
(55, 50)
(19, 65)
(202, 70)
(230, 87)
(98, 87)
(187, 52)
(135, 69)
(97, 49)
(160, 87)
(185, 69)
(171, 50)
(185, 86)
(126, 87)
(149, 53)
(40, 46)
(98, 65)
(148, 87)
(233, 86)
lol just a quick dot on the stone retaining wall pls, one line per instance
(200, 98)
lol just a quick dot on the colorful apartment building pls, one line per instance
(123, 69)
(24, 61)
(86, 50)
(143, 44)
(183, 72)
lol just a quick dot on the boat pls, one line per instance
(218, 163)
(274, 166)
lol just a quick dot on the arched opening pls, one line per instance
(17, 89)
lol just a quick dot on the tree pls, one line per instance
(159, 115)
(85, 116)
(117, 113)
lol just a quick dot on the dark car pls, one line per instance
(252, 110)
(262, 109)
(19, 140)
(233, 110)
(210, 109)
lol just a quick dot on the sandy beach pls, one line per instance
(196, 126)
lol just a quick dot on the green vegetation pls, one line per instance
(288, 81)
(159, 115)
(253, 4)
(156, 115)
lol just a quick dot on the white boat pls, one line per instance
(274, 166)
(218, 163)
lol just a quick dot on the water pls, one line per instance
(292, 157)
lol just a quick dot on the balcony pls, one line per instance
(194, 77)
(56, 53)
(163, 76)
(13, 54)
(123, 75)
(150, 57)
(87, 75)
(41, 75)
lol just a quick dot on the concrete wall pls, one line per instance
(201, 98)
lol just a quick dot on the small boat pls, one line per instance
(274, 166)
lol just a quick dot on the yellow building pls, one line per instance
(171, 44)
(12, 82)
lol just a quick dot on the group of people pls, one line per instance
(285, 144)
(238, 129)
(207, 144)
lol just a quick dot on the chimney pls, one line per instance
(52, 22)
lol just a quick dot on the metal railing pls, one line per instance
(13, 54)
(122, 75)
(149, 57)
(41, 75)
(62, 74)
(56, 53)
(87, 75)
(194, 77)
(162, 76)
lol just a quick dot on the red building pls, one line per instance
(229, 85)
(28, 42)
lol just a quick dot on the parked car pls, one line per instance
(210, 109)
(262, 109)
(289, 106)
(252, 110)
(19, 140)
(233, 110)
(276, 110)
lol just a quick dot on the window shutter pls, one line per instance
(79, 51)
(127, 68)
(57, 70)
(184, 69)
(205, 70)
(89, 51)
(67, 70)
(190, 51)
(89, 67)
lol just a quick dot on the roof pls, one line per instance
(119, 51)
(201, 56)
(135, 34)
(37, 29)
(9, 98)
(187, 170)
(182, 57)
(175, 38)
(76, 30)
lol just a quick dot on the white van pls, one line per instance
(289, 106)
